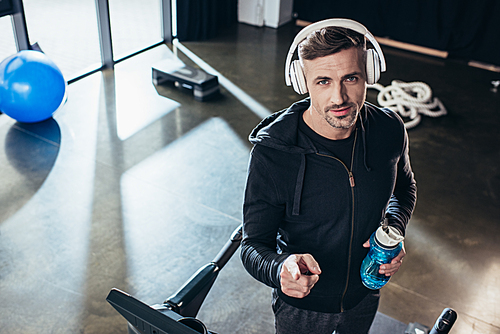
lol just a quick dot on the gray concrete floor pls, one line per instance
(136, 187)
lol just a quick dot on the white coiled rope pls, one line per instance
(410, 99)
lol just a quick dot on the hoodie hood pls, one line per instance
(280, 130)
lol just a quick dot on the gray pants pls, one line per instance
(291, 320)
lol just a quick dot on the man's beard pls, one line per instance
(341, 122)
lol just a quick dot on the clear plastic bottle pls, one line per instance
(385, 245)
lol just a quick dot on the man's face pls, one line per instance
(337, 87)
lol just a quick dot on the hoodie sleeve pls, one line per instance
(262, 213)
(404, 196)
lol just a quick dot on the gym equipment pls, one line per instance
(410, 99)
(375, 61)
(31, 86)
(204, 86)
(445, 321)
(443, 324)
(177, 314)
(148, 319)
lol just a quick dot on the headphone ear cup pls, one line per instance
(297, 77)
(372, 67)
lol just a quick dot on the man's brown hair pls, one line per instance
(329, 40)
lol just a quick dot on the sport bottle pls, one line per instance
(385, 245)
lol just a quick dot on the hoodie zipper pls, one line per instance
(352, 183)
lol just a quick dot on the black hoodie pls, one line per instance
(301, 199)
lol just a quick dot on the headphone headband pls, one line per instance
(343, 23)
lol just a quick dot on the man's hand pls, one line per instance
(390, 269)
(298, 274)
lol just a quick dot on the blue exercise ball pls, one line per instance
(31, 86)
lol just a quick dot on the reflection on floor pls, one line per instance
(135, 187)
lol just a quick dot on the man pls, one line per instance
(322, 176)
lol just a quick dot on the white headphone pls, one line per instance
(375, 61)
